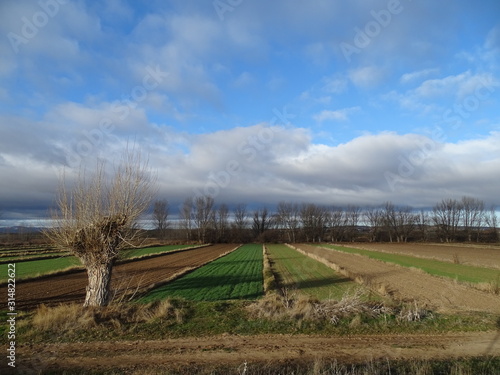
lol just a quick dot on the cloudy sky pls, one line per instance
(332, 102)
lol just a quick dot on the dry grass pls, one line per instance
(412, 312)
(269, 284)
(70, 318)
(299, 307)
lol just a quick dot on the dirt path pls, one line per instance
(407, 284)
(142, 273)
(470, 254)
(236, 350)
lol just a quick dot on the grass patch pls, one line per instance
(459, 272)
(237, 275)
(296, 271)
(31, 269)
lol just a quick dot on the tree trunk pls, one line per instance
(99, 284)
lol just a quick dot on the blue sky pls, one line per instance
(333, 102)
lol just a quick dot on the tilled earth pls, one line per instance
(126, 277)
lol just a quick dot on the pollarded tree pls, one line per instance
(97, 218)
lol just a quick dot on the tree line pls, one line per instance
(450, 220)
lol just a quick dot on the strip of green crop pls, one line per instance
(459, 272)
(39, 267)
(237, 275)
(299, 272)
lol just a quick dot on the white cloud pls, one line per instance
(367, 77)
(243, 80)
(338, 115)
(418, 75)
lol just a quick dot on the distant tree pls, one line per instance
(262, 221)
(313, 220)
(353, 214)
(472, 216)
(447, 216)
(203, 216)
(375, 219)
(337, 223)
(491, 220)
(187, 217)
(422, 223)
(239, 225)
(287, 216)
(221, 223)
(97, 218)
(160, 216)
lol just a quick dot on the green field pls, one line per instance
(34, 268)
(296, 271)
(237, 275)
(459, 272)
(39, 267)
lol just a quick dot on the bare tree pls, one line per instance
(288, 217)
(97, 218)
(160, 216)
(187, 217)
(221, 222)
(203, 216)
(239, 224)
(472, 217)
(492, 222)
(337, 222)
(261, 221)
(422, 223)
(447, 215)
(352, 219)
(375, 219)
(313, 220)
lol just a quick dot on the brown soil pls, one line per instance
(471, 254)
(235, 351)
(126, 277)
(406, 284)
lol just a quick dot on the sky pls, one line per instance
(253, 101)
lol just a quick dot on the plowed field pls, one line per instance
(407, 285)
(138, 274)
